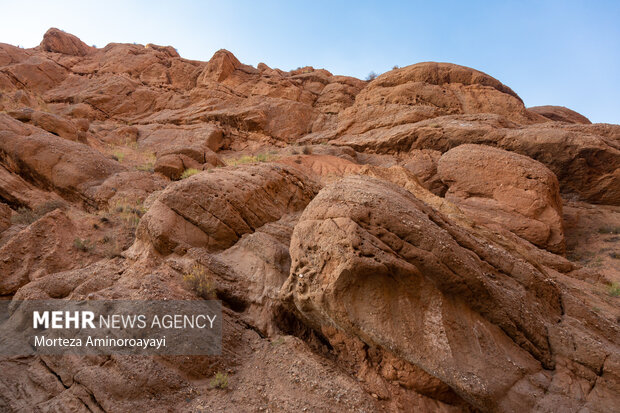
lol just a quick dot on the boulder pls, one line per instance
(54, 124)
(423, 163)
(231, 202)
(173, 165)
(513, 191)
(429, 90)
(560, 114)
(58, 41)
(54, 234)
(51, 162)
(371, 260)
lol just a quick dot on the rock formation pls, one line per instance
(419, 242)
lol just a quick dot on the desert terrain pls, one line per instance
(417, 242)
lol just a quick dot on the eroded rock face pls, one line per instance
(49, 122)
(58, 41)
(510, 190)
(55, 234)
(586, 161)
(560, 114)
(373, 261)
(423, 163)
(213, 209)
(51, 162)
(428, 90)
(426, 275)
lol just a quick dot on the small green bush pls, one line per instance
(614, 290)
(146, 167)
(245, 159)
(119, 156)
(199, 281)
(129, 212)
(83, 245)
(371, 76)
(220, 381)
(25, 216)
(189, 172)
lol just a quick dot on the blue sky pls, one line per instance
(550, 52)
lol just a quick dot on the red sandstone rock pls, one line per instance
(510, 190)
(374, 295)
(58, 41)
(560, 114)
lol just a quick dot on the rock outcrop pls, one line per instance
(48, 161)
(57, 41)
(418, 242)
(372, 261)
(560, 114)
(586, 162)
(230, 203)
(510, 190)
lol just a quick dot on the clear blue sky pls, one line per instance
(550, 52)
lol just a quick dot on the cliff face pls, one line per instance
(419, 242)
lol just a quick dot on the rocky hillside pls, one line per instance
(420, 242)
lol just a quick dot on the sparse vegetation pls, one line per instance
(596, 263)
(146, 167)
(128, 212)
(608, 229)
(149, 164)
(119, 156)
(307, 150)
(199, 281)
(245, 159)
(371, 76)
(395, 67)
(112, 248)
(83, 245)
(614, 290)
(189, 172)
(220, 381)
(25, 216)
(278, 341)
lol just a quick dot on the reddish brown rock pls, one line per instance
(16, 192)
(513, 191)
(585, 162)
(69, 168)
(405, 300)
(560, 114)
(128, 187)
(173, 165)
(49, 122)
(54, 233)
(58, 41)
(428, 90)
(232, 202)
(325, 168)
(5, 216)
(373, 261)
(423, 163)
